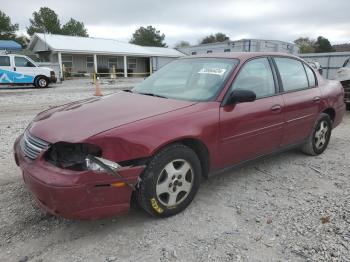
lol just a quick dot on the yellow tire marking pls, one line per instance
(155, 206)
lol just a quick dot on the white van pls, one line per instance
(18, 69)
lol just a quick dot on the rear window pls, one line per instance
(4, 61)
(292, 74)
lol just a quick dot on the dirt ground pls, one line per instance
(289, 207)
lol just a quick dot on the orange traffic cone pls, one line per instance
(98, 88)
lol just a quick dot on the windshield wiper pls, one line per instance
(151, 94)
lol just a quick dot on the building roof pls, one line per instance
(10, 45)
(76, 44)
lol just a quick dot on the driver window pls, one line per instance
(256, 76)
(22, 62)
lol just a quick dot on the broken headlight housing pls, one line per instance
(79, 157)
(71, 155)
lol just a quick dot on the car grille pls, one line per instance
(32, 146)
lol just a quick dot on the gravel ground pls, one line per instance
(289, 207)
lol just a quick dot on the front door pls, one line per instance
(25, 70)
(250, 129)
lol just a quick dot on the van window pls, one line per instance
(310, 76)
(256, 75)
(292, 74)
(4, 61)
(23, 62)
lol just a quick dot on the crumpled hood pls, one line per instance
(79, 120)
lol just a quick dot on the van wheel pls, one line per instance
(170, 181)
(320, 136)
(41, 82)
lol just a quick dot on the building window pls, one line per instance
(67, 61)
(227, 50)
(194, 53)
(113, 61)
(132, 63)
(209, 51)
(90, 62)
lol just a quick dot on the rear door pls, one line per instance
(5, 69)
(248, 130)
(301, 97)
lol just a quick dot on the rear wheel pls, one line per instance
(320, 136)
(41, 82)
(170, 181)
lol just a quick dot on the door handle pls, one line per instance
(276, 108)
(316, 99)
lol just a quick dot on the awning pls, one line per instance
(10, 45)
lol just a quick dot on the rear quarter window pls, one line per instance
(310, 76)
(4, 61)
(292, 74)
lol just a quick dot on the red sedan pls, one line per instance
(196, 115)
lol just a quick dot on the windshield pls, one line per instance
(194, 79)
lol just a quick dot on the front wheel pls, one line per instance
(170, 181)
(320, 136)
(41, 82)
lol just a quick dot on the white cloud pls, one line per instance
(191, 20)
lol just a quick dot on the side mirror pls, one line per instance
(241, 96)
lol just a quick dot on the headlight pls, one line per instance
(96, 167)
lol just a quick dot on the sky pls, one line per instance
(191, 20)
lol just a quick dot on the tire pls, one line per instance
(170, 181)
(319, 138)
(41, 82)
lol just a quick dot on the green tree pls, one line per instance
(322, 45)
(208, 39)
(306, 45)
(182, 44)
(7, 29)
(74, 27)
(218, 37)
(44, 21)
(148, 36)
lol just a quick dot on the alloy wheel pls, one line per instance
(174, 182)
(321, 135)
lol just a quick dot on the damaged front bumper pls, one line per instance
(77, 194)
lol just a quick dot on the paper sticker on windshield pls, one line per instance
(212, 71)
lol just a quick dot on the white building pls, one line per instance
(243, 45)
(81, 55)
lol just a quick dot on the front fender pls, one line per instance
(142, 139)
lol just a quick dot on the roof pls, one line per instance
(10, 45)
(76, 44)
(228, 42)
(240, 55)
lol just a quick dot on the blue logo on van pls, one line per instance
(8, 77)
